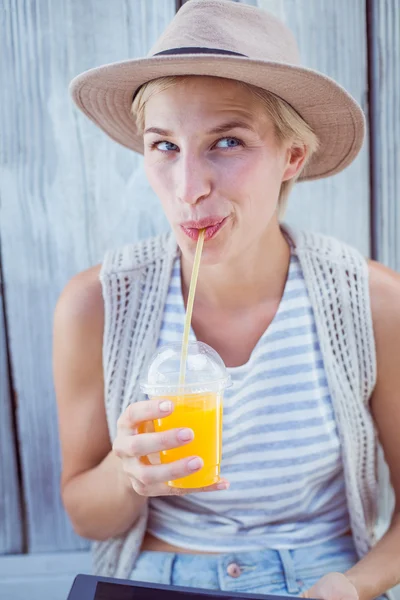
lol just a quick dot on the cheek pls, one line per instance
(253, 165)
(156, 170)
(161, 186)
(160, 179)
(253, 179)
(235, 178)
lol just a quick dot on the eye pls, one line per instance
(164, 146)
(228, 142)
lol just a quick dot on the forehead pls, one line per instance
(206, 97)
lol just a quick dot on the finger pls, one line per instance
(143, 444)
(133, 466)
(136, 471)
(221, 485)
(152, 475)
(141, 489)
(160, 489)
(146, 410)
(164, 489)
(215, 487)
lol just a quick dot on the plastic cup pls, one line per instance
(197, 405)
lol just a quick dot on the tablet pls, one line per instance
(91, 587)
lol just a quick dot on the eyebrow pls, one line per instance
(216, 130)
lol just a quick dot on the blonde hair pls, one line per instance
(289, 125)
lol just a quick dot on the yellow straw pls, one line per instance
(189, 309)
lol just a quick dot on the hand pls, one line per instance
(135, 448)
(332, 586)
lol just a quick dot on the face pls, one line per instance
(213, 159)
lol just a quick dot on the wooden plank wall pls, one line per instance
(340, 205)
(41, 576)
(328, 33)
(384, 49)
(68, 193)
(384, 44)
(11, 541)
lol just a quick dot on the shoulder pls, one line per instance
(80, 307)
(385, 301)
(384, 285)
(385, 399)
(326, 249)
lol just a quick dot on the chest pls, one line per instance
(233, 335)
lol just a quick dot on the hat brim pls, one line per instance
(105, 95)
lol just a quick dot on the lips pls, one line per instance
(211, 224)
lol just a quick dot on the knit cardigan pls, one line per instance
(135, 281)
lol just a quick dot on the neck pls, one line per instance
(257, 276)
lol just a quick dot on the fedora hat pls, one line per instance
(227, 39)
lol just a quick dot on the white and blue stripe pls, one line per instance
(281, 451)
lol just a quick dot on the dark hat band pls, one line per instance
(192, 50)
(198, 50)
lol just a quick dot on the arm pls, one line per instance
(379, 570)
(96, 492)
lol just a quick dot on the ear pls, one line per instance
(295, 157)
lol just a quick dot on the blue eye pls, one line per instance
(228, 142)
(167, 146)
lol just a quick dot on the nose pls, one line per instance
(194, 180)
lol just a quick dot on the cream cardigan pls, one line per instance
(135, 282)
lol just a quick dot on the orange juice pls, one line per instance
(197, 405)
(203, 414)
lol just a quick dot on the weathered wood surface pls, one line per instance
(41, 576)
(10, 513)
(385, 119)
(384, 49)
(331, 38)
(68, 193)
(328, 35)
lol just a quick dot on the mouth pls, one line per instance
(212, 225)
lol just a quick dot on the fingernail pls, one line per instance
(222, 486)
(194, 464)
(185, 435)
(165, 406)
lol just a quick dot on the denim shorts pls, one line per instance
(283, 572)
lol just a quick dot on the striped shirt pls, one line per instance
(281, 450)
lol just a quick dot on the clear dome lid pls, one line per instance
(205, 371)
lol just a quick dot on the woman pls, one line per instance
(307, 328)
